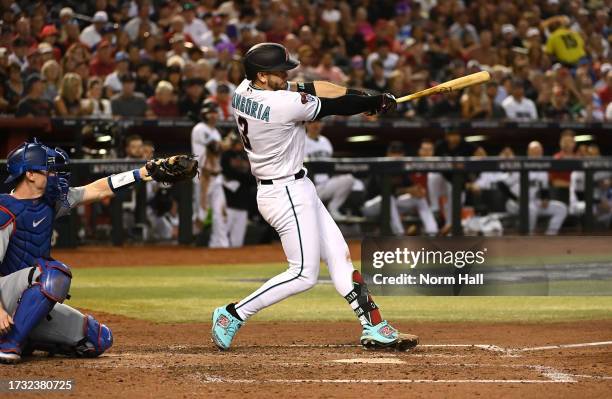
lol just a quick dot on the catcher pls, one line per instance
(33, 286)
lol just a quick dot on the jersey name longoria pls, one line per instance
(251, 107)
(271, 125)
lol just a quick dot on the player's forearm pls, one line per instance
(322, 89)
(107, 186)
(349, 104)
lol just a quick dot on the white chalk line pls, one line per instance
(363, 381)
(562, 346)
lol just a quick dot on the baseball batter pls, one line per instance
(334, 189)
(271, 113)
(33, 286)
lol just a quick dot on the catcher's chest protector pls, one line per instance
(32, 230)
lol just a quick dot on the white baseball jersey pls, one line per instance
(537, 181)
(523, 110)
(319, 148)
(201, 136)
(271, 125)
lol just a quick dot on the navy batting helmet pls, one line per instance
(267, 57)
(208, 106)
(29, 157)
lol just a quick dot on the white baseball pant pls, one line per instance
(308, 234)
(556, 210)
(403, 204)
(336, 190)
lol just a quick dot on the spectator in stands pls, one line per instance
(378, 80)
(162, 104)
(92, 35)
(191, 100)
(448, 106)
(194, 26)
(94, 105)
(122, 65)
(148, 150)
(145, 81)
(462, 29)
(102, 63)
(129, 103)
(565, 45)
(388, 59)
(567, 147)
(518, 107)
(497, 111)
(13, 87)
(223, 100)
(51, 75)
(33, 104)
(609, 112)
(605, 91)
(216, 34)
(68, 101)
(19, 54)
(558, 108)
(177, 47)
(141, 23)
(475, 104)
(483, 50)
(219, 77)
(328, 71)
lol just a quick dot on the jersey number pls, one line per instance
(569, 41)
(243, 127)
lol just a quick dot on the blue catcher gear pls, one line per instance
(36, 302)
(98, 338)
(36, 156)
(32, 229)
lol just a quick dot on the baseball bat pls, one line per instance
(451, 85)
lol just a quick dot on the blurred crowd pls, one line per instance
(158, 59)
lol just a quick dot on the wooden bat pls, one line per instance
(451, 85)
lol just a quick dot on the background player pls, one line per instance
(33, 286)
(208, 190)
(334, 189)
(270, 116)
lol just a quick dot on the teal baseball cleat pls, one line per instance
(224, 327)
(385, 336)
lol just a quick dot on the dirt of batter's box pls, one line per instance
(316, 359)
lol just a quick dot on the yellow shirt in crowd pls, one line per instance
(566, 45)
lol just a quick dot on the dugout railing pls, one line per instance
(84, 171)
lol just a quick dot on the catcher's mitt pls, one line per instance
(172, 169)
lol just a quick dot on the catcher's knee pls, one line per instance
(54, 279)
(98, 338)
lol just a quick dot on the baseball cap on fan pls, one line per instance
(100, 17)
(507, 29)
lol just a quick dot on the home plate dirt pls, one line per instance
(321, 360)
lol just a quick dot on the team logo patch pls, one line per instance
(387, 331)
(223, 321)
(306, 98)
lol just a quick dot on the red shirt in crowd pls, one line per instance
(168, 110)
(100, 68)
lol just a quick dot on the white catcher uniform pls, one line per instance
(271, 124)
(334, 189)
(201, 136)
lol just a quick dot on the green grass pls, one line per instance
(189, 294)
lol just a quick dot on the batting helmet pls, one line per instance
(29, 157)
(208, 106)
(267, 57)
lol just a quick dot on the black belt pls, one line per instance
(297, 176)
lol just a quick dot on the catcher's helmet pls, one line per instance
(267, 57)
(33, 156)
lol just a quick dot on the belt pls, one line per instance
(297, 176)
